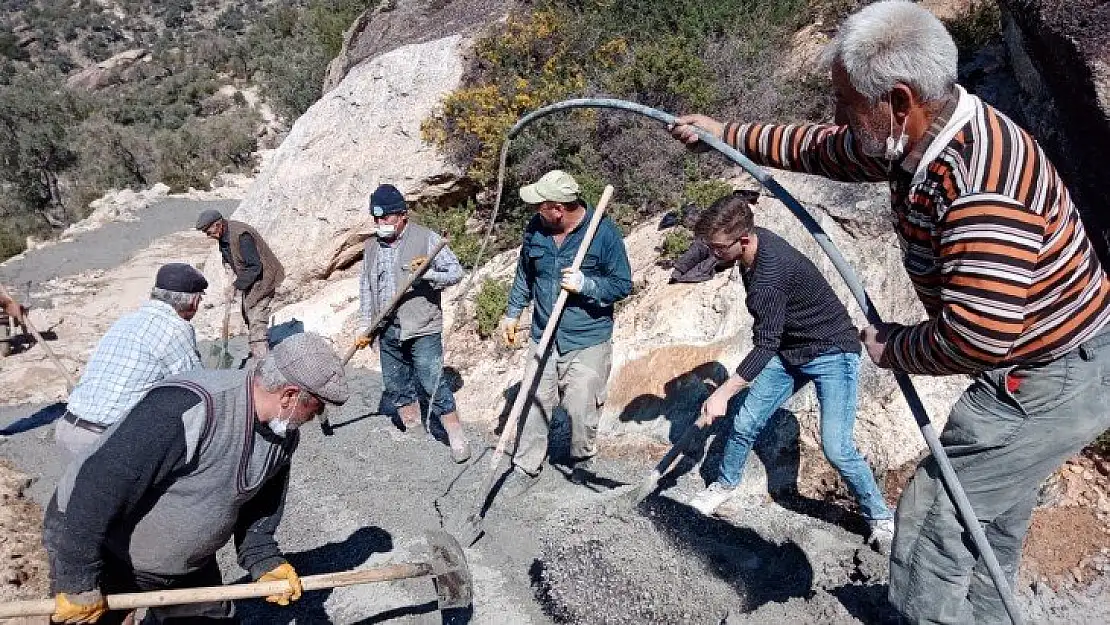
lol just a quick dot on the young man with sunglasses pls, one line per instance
(801, 334)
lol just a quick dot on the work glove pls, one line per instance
(507, 330)
(416, 263)
(284, 571)
(82, 607)
(574, 280)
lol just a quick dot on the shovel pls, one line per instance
(472, 529)
(70, 383)
(446, 566)
(221, 357)
(650, 482)
(378, 324)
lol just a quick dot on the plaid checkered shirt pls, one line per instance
(139, 350)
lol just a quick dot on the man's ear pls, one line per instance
(902, 101)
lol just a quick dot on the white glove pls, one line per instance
(573, 280)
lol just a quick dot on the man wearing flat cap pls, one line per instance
(411, 345)
(576, 373)
(258, 272)
(138, 351)
(203, 457)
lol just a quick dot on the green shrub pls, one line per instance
(452, 223)
(979, 26)
(490, 306)
(675, 243)
(702, 193)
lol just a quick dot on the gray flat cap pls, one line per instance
(309, 361)
(207, 218)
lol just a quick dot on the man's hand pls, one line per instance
(416, 263)
(573, 280)
(284, 571)
(230, 292)
(507, 330)
(362, 341)
(13, 309)
(683, 130)
(874, 341)
(83, 607)
(717, 405)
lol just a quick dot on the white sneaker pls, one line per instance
(882, 535)
(708, 500)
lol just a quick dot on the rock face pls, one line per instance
(364, 132)
(1060, 53)
(122, 67)
(404, 22)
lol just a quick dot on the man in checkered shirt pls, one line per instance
(139, 350)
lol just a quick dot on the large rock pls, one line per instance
(1060, 53)
(122, 67)
(366, 131)
(404, 22)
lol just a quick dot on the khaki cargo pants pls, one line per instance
(577, 381)
(257, 318)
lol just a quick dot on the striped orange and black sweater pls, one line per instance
(990, 236)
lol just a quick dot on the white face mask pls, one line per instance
(387, 231)
(282, 424)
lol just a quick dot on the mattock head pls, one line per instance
(450, 573)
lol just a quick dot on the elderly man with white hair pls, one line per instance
(997, 253)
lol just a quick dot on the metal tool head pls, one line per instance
(450, 573)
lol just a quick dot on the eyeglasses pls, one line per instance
(717, 247)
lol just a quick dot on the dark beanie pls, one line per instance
(181, 278)
(387, 200)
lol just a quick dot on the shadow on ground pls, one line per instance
(43, 416)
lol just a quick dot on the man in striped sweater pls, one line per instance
(998, 255)
(801, 334)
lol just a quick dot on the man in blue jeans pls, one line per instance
(411, 345)
(802, 333)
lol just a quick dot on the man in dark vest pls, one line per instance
(411, 345)
(203, 457)
(258, 272)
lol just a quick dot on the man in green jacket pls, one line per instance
(575, 373)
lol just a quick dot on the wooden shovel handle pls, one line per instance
(181, 596)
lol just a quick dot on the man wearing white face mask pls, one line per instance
(411, 345)
(1014, 293)
(203, 457)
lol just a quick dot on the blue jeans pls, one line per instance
(835, 376)
(416, 360)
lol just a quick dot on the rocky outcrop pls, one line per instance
(395, 23)
(1060, 53)
(314, 189)
(123, 67)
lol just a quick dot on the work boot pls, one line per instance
(882, 535)
(456, 437)
(519, 482)
(708, 500)
(584, 470)
(410, 419)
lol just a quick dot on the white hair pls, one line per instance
(181, 302)
(891, 42)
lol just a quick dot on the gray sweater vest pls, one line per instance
(419, 313)
(229, 462)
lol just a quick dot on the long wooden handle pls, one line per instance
(181, 596)
(419, 273)
(532, 368)
(70, 383)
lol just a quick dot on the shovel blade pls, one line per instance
(450, 573)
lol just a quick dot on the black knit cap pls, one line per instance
(387, 200)
(181, 278)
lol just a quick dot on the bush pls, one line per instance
(675, 243)
(490, 306)
(702, 193)
(452, 223)
(979, 26)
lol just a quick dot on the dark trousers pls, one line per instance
(119, 577)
